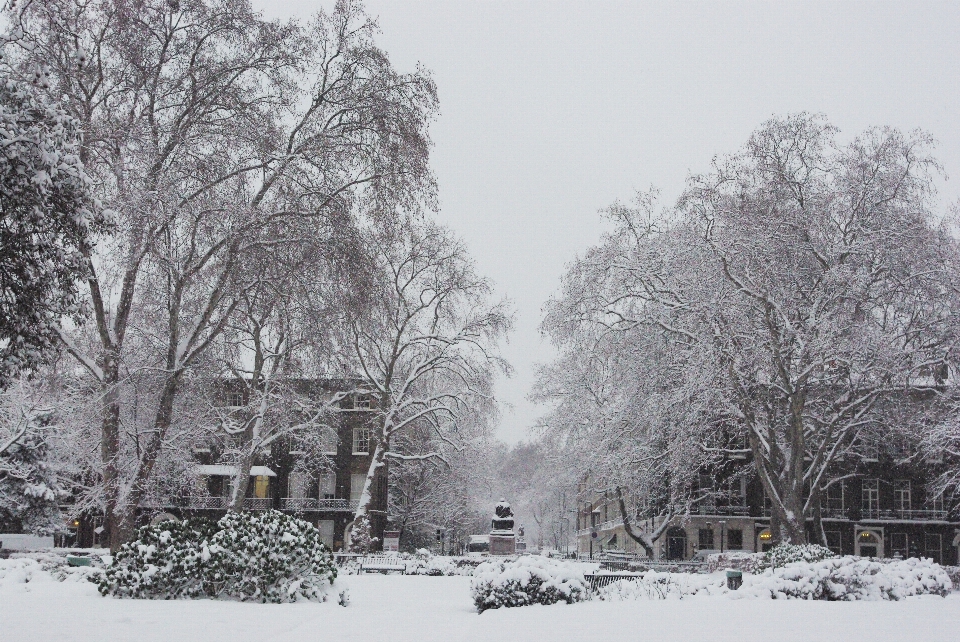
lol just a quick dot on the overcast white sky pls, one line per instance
(551, 111)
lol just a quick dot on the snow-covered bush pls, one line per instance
(661, 586)
(783, 554)
(425, 563)
(527, 580)
(737, 560)
(266, 557)
(361, 536)
(271, 557)
(166, 561)
(848, 578)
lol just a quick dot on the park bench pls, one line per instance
(382, 564)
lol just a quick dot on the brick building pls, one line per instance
(327, 499)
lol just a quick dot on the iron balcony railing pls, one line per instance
(712, 509)
(210, 503)
(307, 504)
(924, 514)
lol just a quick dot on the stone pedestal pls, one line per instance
(503, 541)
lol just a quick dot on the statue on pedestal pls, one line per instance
(503, 541)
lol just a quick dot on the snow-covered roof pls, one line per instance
(230, 471)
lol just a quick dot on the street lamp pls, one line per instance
(723, 524)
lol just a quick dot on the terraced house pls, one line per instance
(324, 490)
(879, 506)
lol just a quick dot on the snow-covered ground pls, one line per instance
(424, 609)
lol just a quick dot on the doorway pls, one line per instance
(676, 543)
(869, 543)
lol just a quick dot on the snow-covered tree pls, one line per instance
(801, 292)
(203, 126)
(426, 349)
(30, 461)
(47, 222)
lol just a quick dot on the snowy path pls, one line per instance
(427, 609)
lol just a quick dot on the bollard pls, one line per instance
(734, 580)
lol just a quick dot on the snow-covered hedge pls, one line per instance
(653, 585)
(425, 563)
(527, 580)
(849, 578)
(783, 554)
(837, 578)
(266, 557)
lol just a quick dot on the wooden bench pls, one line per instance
(382, 564)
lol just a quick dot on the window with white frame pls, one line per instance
(361, 440)
(899, 545)
(328, 485)
(871, 496)
(235, 398)
(361, 402)
(834, 497)
(901, 494)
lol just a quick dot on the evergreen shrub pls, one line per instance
(527, 580)
(264, 557)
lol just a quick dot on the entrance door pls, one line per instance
(676, 544)
(868, 544)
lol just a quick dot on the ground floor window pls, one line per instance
(933, 545)
(898, 545)
(325, 526)
(705, 538)
(735, 539)
(834, 541)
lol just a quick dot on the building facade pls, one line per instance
(882, 508)
(327, 497)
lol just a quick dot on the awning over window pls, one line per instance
(231, 471)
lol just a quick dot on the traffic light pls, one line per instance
(439, 535)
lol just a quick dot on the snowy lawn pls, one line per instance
(423, 609)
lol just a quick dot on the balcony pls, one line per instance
(925, 514)
(712, 509)
(306, 504)
(210, 503)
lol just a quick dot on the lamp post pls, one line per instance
(723, 525)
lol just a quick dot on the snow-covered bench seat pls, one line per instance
(382, 564)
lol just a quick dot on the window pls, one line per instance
(932, 546)
(934, 501)
(298, 485)
(361, 440)
(898, 545)
(834, 501)
(361, 402)
(901, 494)
(735, 490)
(834, 541)
(706, 482)
(261, 486)
(356, 486)
(706, 538)
(735, 539)
(328, 486)
(329, 438)
(235, 398)
(870, 451)
(870, 502)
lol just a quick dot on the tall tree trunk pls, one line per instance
(127, 516)
(110, 448)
